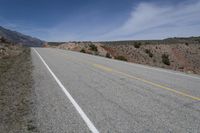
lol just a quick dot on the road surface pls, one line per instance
(83, 93)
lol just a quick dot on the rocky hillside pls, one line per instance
(182, 54)
(18, 38)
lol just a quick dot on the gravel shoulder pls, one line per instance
(16, 93)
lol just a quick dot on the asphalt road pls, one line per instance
(105, 95)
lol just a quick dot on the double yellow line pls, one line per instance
(146, 81)
(108, 69)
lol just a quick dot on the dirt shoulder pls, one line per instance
(16, 93)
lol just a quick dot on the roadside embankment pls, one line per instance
(16, 93)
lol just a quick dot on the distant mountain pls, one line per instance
(19, 38)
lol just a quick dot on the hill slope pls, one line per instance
(19, 38)
(182, 54)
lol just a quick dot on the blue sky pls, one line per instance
(68, 20)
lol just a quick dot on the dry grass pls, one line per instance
(16, 101)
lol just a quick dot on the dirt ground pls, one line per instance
(16, 93)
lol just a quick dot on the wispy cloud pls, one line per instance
(152, 21)
(147, 20)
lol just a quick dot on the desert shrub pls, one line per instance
(93, 47)
(147, 42)
(108, 55)
(186, 44)
(121, 58)
(2, 39)
(82, 50)
(149, 53)
(165, 59)
(137, 44)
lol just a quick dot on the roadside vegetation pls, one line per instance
(82, 51)
(165, 59)
(93, 47)
(108, 55)
(122, 58)
(16, 92)
(147, 51)
(137, 44)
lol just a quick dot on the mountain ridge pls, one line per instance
(19, 38)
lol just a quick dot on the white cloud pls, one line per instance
(146, 21)
(152, 21)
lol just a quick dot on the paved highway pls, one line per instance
(83, 93)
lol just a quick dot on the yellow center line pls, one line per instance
(103, 67)
(108, 69)
(146, 81)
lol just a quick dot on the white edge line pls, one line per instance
(78, 108)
